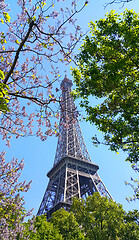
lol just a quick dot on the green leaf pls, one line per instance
(2, 74)
(6, 16)
(108, 70)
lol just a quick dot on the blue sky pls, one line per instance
(39, 156)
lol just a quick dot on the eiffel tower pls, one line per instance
(73, 173)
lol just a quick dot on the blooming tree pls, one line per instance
(33, 43)
(35, 38)
(12, 212)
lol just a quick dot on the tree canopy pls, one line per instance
(42, 229)
(67, 225)
(108, 70)
(101, 218)
(96, 218)
(62, 226)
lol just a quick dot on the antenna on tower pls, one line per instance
(65, 73)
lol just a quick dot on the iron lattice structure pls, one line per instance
(73, 174)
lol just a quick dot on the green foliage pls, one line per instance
(4, 99)
(6, 17)
(102, 219)
(96, 218)
(67, 225)
(108, 69)
(43, 230)
(2, 74)
(62, 226)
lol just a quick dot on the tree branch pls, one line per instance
(34, 99)
(117, 1)
(18, 51)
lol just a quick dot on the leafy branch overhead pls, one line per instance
(108, 69)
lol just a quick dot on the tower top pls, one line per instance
(66, 82)
(70, 141)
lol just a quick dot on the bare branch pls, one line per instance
(34, 99)
(117, 1)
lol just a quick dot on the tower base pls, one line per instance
(69, 178)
